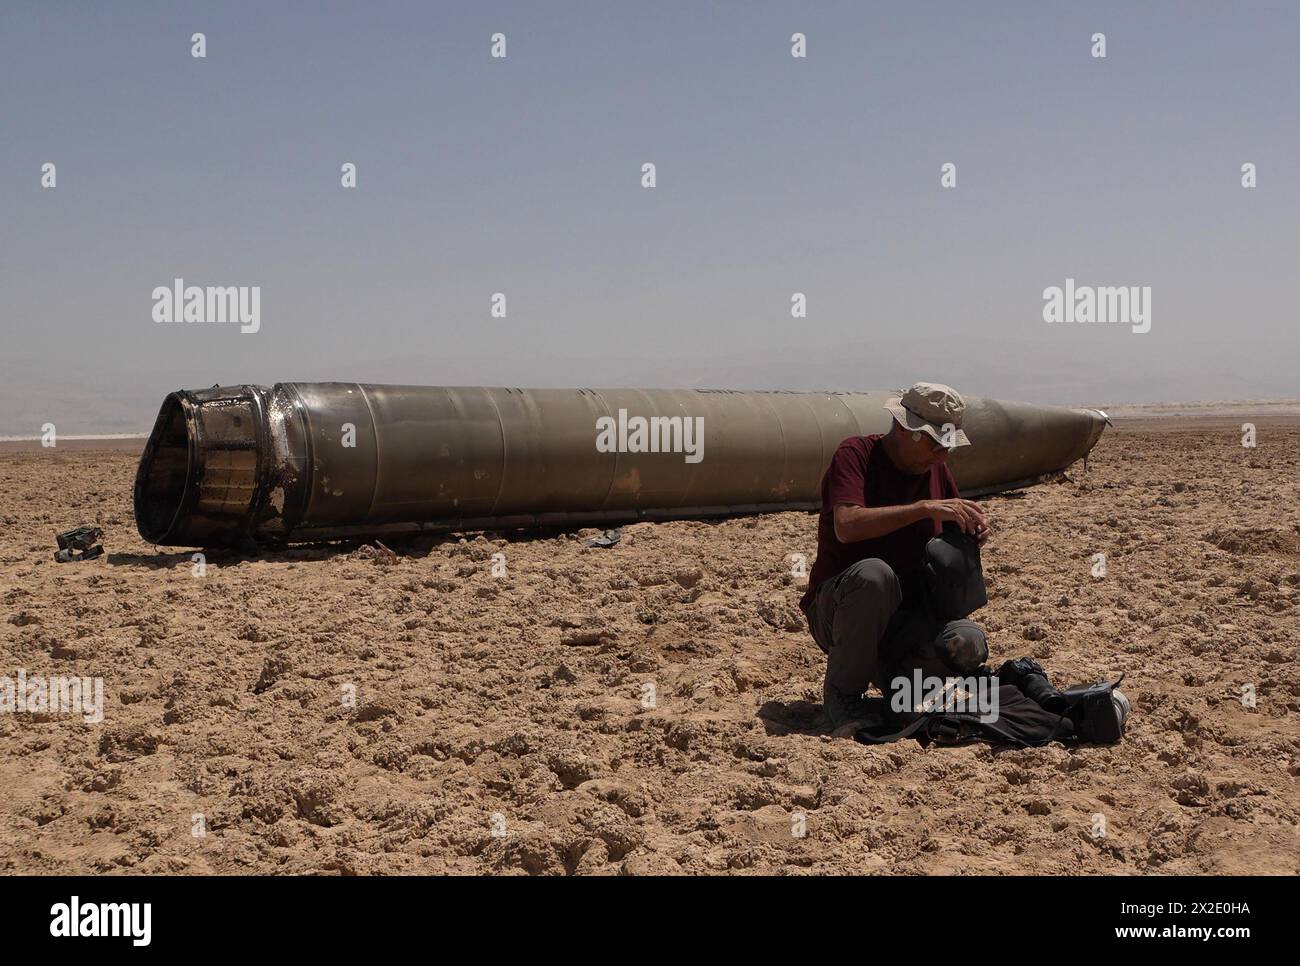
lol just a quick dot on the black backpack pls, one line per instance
(953, 574)
(1030, 713)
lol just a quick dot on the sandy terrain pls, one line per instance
(514, 704)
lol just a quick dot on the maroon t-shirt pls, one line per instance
(862, 474)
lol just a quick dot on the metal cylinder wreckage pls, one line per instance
(321, 461)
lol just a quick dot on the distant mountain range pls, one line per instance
(80, 399)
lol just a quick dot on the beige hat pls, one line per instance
(933, 409)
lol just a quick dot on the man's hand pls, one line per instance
(853, 523)
(967, 514)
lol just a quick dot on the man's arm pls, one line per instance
(854, 523)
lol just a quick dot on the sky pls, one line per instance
(522, 175)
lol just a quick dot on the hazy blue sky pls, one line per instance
(522, 175)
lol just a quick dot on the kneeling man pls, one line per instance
(884, 497)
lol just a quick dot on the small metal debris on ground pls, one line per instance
(79, 544)
(607, 539)
(375, 552)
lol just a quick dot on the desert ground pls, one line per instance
(343, 710)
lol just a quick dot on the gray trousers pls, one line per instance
(858, 620)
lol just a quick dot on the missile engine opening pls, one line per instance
(164, 473)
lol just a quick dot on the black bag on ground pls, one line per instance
(1030, 713)
(954, 575)
(1098, 712)
(1020, 721)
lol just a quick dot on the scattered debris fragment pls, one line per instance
(79, 544)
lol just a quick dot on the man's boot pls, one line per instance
(847, 712)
